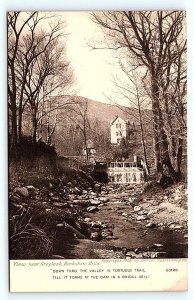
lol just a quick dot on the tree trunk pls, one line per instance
(142, 139)
(162, 155)
(13, 141)
(19, 125)
(156, 127)
(34, 125)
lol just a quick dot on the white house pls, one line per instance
(118, 130)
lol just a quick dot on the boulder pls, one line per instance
(21, 191)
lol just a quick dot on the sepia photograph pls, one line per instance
(97, 135)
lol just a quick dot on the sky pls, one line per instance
(92, 68)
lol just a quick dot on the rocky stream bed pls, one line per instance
(105, 221)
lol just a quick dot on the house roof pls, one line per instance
(117, 117)
(126, 120)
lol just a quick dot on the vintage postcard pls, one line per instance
(97, 105)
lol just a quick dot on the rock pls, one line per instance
(137, 251)
(16, 197)
(132, 254)
(97, 187)
(104, 192)
(142, 212)
(158, 254)
(101, 204)
(92, 209)
(141, 218)
(186, 236)
(21, 191)
(30, 188)
(161, 254)
(76, 191)
(60, 204)
(105, 200)
(81, 202)
(60, 225)
(55, 198)
(151, 225)
(106, 226)
(97, 224)
(95, 236)
(112, 237)
(154, 211)
(50, 185)
(55, 256)
(178, 227)
(137, 208)
(48, 209)
(145, 233)
(124, 215)
(87, 220)
(95, 202)
(93, 194)
(172, 226)
(84, 192)
(106, 233)
(157, 245)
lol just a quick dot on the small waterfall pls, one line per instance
(122, 172)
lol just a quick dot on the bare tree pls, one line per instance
(155, 41)
(83, 123)
(15, 31)
(37, 69)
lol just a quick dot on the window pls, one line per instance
(117, 125)
(117, 133)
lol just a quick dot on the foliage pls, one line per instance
(123, 150)
(28, 240)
